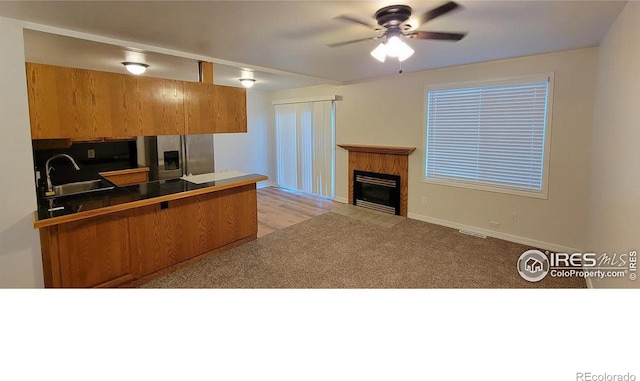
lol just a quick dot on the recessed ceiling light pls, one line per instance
(135, 68)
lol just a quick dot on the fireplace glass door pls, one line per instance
(377, 191)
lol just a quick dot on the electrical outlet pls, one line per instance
(514, 217)
(91, 153)
(424, 200)
(494, 224)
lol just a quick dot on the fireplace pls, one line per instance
(377, 191)
(386, 160)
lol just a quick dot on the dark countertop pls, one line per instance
(119, 196)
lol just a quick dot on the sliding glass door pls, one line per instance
(305, 146)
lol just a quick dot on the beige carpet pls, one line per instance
(337, 251)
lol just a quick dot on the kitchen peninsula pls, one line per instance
(127, 235)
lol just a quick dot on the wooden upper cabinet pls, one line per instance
(127, 105)
(160, 106)
(199, 107)
(59, 101)
(212, 109)
(114, 111)
(75, 104)
(79, 104)
(231, 109)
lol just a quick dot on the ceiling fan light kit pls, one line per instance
(393, 21)
(380, 52)
(394, 48)
(398, 48)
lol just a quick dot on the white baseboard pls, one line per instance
(341, 199)
(491, 233)
(264, 184)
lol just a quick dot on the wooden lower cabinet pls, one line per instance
(114, 249)
(161, 236)
(95, 252)
(192, 226)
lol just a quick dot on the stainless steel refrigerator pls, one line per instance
(172, 156)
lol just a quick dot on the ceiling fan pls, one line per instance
(393, 22)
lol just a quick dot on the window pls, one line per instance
(490, 136)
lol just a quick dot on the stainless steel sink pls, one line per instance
(82, 187)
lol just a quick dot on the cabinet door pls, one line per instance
(114, 105)
(161, 237)
(160, 106)
(223, 217)
(199, 108)
(127, 106)
(192, 226)
(59, 102)
(95, 252)
(211, 109)
(231, 109)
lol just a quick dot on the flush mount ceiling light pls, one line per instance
(135, 68)
(247, 82)
(246, 78)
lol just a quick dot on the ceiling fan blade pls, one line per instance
(437, 12)
(436, 36)
(336, 44)
(353, 19)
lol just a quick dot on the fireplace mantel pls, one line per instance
(388, 150)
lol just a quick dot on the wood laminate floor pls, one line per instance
(279, 208)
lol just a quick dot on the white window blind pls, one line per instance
(489, 136)
(305, 146)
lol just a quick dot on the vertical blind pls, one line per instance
(490, 136)
(304, 145)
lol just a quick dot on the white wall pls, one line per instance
(20, 259)
(614, 218)
(247, 152)
(391, 111)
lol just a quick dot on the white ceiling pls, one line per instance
(291, 36)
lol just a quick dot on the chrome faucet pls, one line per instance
(48, 169)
